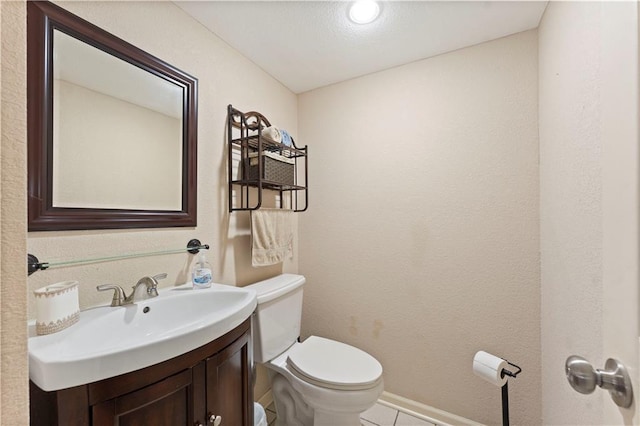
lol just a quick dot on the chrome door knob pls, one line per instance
(584, 378)
(581, 375)
(215, 420)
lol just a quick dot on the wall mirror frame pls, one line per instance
(42, 19)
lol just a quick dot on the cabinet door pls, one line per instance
(229, 385)
(169, 402)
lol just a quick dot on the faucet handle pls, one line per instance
(153, 289)
(161, 276)
(118, 294)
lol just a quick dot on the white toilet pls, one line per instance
(316, 382)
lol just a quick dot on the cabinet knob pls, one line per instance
(215, 420)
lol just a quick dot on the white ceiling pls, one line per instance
(310, 44)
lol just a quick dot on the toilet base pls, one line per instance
(315, 408)
(291, 409)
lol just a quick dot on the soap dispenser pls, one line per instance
(201, 275)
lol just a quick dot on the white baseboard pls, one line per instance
(423, 411)
(408, 406)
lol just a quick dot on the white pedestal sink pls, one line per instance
(109, 341)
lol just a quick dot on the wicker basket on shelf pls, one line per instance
(275, 168)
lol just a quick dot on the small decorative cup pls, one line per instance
(57, 307)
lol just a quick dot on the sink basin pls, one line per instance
(109, 341)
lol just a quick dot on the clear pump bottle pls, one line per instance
(201, 274)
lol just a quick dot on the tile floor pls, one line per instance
(378, 415)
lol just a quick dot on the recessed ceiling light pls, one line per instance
(364, 11)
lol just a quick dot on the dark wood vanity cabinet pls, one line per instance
(209, 385)
(169, 401)
(227, 396)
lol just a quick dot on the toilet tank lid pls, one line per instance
(277, 286)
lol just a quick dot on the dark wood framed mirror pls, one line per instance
(112, 130)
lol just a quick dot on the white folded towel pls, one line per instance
(272, 133)
(271, 236)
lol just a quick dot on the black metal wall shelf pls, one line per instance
(263, 164)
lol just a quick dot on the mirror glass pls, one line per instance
(111, 129)
(103, 108)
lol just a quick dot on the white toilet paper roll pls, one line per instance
(489, 367)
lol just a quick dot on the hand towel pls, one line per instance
(271, 236)
(285, 137)
(272, 133)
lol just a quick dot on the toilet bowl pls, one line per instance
(317, 382)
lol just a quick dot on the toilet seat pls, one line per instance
(333, 365)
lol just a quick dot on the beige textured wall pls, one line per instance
(14, 395)
(421, 243)
(225, 77)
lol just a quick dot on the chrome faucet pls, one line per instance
(145, 288)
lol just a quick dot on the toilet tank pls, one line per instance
(276, 323)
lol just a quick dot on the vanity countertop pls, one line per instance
(109, 341)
